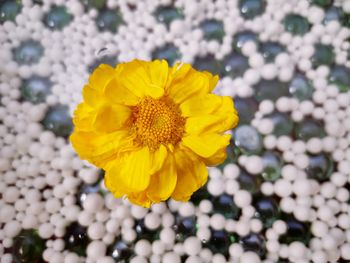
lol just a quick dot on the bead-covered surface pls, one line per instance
(282, 195)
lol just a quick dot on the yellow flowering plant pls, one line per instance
(153, 128)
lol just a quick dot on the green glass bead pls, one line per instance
(168, 52)
(249, 9)
(296, 24)
(28, 52)
(58, 18)
(35, 89)
(308, 129)
(243, 37)
(270, 50)
(267, 210)
(283, 124)
(185, 227)
(142, 232)
(272, 164)
(249, 182)
(301, 88)
(97, 4)
(220, 241)
(322, 3)
(248, 139)
(167, 14)
(296, 231)
(109, 20)
(246, 108)
(212, 29)
(208, 63)
(58, 121)
(28, 247)
(201, 194)
(9, 9)
(323, 55)
(334, 13)
(320, 167)
(270, 90)
(254, 242)
(76, 239)
(235, 65)
(224, 205)
(120, 251)
(340, 76)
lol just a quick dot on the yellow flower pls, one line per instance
(152, 128)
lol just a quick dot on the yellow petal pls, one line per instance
(84, 117)
(92, 97)
(111, 118)
(99, 148)
(141, 78)
(206, 104)
(116, 93)
(208, 124)
(158, 159)
(213, 80)
(101, 77)
(206, 145)
(190, 84)
(140, 198)
(131, 171)
(216, 159)
(163, 182)
(191, 175)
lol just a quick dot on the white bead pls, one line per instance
(93, 202)
(319, 256)
(283, 188)
(269, 71)
(267, 188)
(186, 209)
(71, 258)
(231, 171)
(287, 204)
(254, 164)
(152, 221)
(46, 230)
(249, 257)
(280, 227)
(11, 194)
(345, 251)
(218, 258)
(171, 257)
(143, 248)
(167, 235)
(302, 187)
(96, 249)
(96, 230)
(216, 187)
(231, 187)
(235, 250)
(12, 228)
(314, 145)
(242, 198)
(194, 259)
(217, 221)
(138, 259)
(297, 250)
(192, 246)
(203, 233)
(328, 190)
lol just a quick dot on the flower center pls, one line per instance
(157, 121)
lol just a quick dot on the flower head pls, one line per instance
(152, 128)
